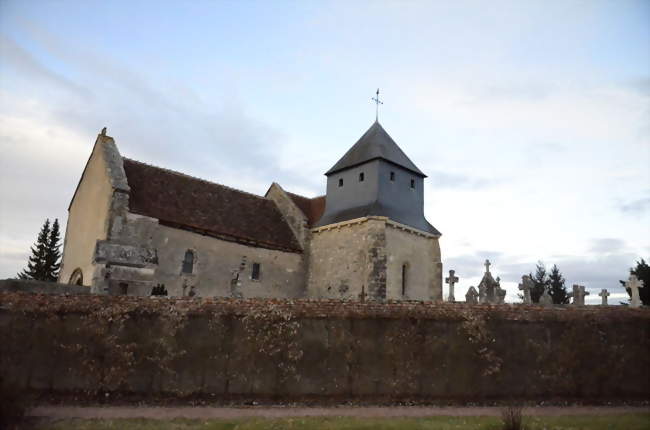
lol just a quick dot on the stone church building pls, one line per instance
(133, 227)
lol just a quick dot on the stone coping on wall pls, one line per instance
(361, 220)
(31, 286)
(317, 309)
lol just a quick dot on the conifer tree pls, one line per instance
(557, 289)
(642, 272)
(540, 282)
(43, 264)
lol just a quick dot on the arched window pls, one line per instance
(77, 277)
(405, 270)
(188, 262)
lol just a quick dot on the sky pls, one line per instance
(530, 118)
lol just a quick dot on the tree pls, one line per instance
(557, 290)
(540, 282)
(44, 264)
(642, 271)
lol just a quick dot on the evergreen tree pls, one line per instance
(540, 281)
(642, 271)
(43, 264)
(557, 290)
(53, 254)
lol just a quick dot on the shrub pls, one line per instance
(513, 418)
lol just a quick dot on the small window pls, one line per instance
(361, 177)
(340, 182)
(412, 183)
(255, 274)
(188, 262)
(405, 269)
(124, 288)
(392, 176)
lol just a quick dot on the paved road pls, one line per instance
(208, 412)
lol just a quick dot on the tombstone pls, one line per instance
(603, 294)
(545, 299)
(500, 295)
(471, 296)
(451, 280)
(526, 286)
(482, 296)
(489, 289)
(634, 283)
(578, 295)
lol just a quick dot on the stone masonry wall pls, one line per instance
(299, 349)
(365, 257)
(348, 259)
(421, 254)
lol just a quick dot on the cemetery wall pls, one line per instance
(328, 350)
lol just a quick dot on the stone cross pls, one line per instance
(604, 294)
(526, 286)
(451, 280)
(363, 294)
(634, 284)
(579, 294)
(545, 299)
(471, 296)
(487, 265)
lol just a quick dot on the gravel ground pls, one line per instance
(207, 412)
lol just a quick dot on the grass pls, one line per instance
(606, 422)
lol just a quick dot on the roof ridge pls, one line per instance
(304, 197)
(175, 172)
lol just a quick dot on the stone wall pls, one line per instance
(298, 349)
(348, 259)
(420, 252)
(291, 213)
(224, 268)
(365, 257)
(88, 219)
(40, 287)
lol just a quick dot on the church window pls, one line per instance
(405, 269)
(340, 182)
(255, 274)
(412, 183)
(361, 177)
(392, 176)
(188, 262)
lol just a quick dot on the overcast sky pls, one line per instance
(531, 118)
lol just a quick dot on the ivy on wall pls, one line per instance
(99, 345)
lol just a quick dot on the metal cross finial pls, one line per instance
(377, 102)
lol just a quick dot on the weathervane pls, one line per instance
(377, 102)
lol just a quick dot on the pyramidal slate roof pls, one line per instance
(375, 143)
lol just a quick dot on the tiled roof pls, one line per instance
(312, 208)
(189, 203)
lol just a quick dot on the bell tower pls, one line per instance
(373, 240)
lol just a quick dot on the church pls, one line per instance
(136, 229)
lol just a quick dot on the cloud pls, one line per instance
(445, 180)
(607, 245)
(27, 66)
(46, 137)
(636, 207)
